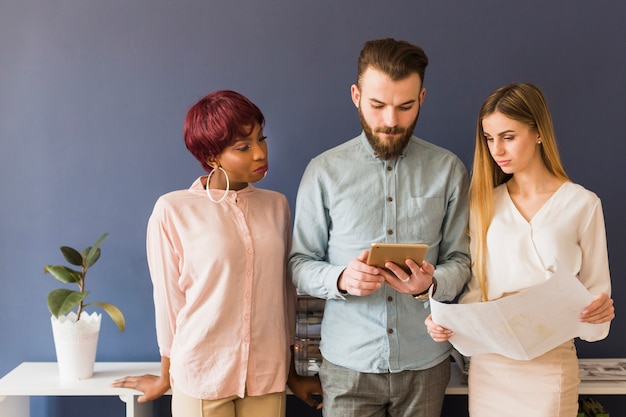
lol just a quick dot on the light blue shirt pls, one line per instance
(348, 198)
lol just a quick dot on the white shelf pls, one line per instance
(42, 379)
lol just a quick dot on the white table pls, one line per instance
(42, 379)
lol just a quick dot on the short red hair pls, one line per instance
(217, 121)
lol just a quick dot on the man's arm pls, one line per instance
(453, 263)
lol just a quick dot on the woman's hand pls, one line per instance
(152, 386)
(599, 311)
(438, 333)
(305, 387)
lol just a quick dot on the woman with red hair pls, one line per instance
(224, 306)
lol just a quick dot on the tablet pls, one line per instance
(397, 253)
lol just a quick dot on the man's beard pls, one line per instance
(392, 149)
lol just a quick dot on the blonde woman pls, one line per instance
(525, 213)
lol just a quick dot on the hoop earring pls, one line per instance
(208, 191)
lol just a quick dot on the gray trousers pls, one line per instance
(349, 393)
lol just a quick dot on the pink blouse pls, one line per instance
(224, 305)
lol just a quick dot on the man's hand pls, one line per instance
(360, 278)
(418, 281)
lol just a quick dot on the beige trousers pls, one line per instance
(269, 405)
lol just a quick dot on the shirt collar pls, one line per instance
(198, 188)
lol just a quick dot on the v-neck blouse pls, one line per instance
(569, 227)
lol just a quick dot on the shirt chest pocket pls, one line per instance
(424, 219)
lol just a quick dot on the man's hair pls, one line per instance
(397, 59)
(216, 121)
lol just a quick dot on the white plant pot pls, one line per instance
(76, 343)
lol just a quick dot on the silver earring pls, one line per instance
(208, 191)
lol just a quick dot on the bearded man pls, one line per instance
(385, 185)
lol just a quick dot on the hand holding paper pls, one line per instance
(524, 325)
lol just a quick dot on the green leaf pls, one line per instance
(93, 252)
(92, 259)
(115, 313)
(63, 273)
(63, 301)
(72, 255)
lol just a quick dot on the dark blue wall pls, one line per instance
(93, 95)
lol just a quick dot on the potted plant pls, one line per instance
(76, 332)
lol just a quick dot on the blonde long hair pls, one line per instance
(526, 104)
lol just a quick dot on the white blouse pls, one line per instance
(569, 228)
